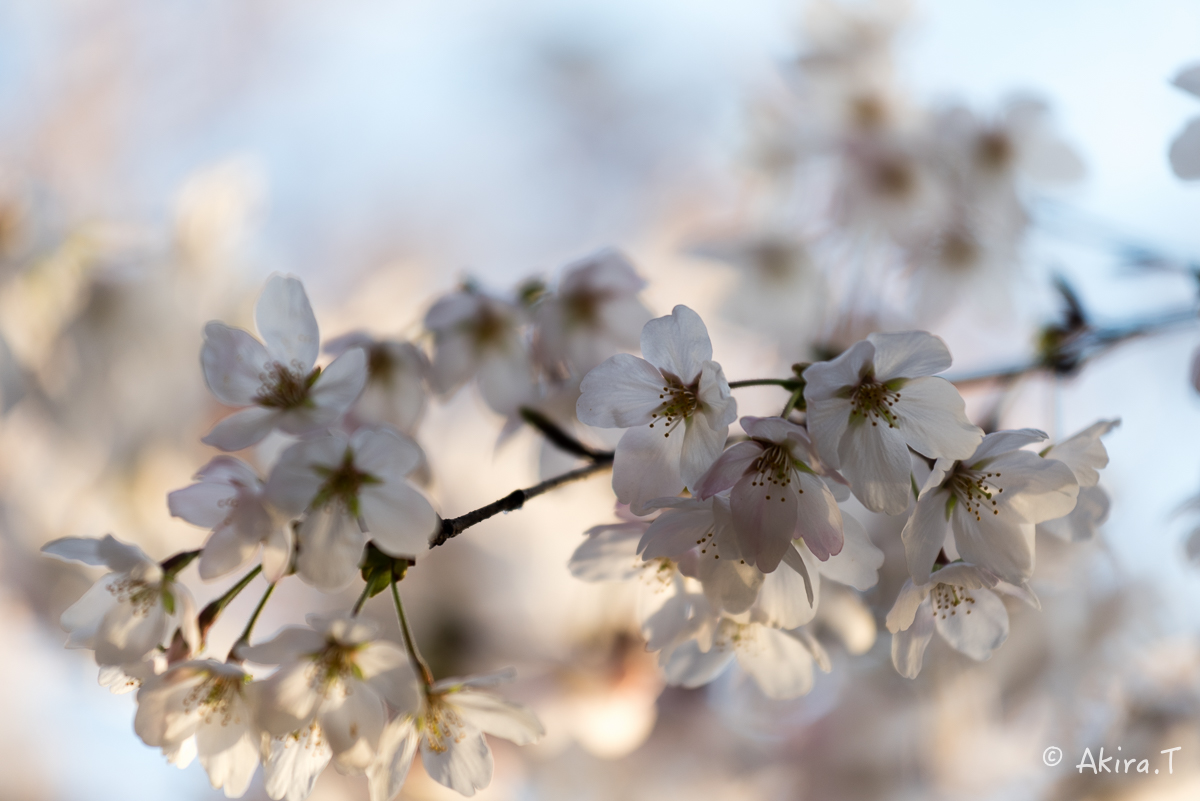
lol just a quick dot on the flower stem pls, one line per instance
(409, 644)
(211, 612)
(362, 599)
(786, 383)
(797, 397)
(244, 639)
(515, 500)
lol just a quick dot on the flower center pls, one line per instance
(138, 594)
(342, 483)
(874, 401)
(975, 491)
(214, 697)
(994, 151)
(332, 668)
(948, 597)
(583, 308)
(285, 388)
(441, 724)
(773, 468)
(679, 403)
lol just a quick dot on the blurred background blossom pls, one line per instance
(799, 173)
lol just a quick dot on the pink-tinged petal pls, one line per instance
(206, 504)
(979, 633)
(687, 666)
(242, 429)
(908, 354)
(818, 518)
(1185, 152)
(225, 552)
(875, 459)
(399, 519)
(826, 380)
(330, 545)
(287, 323)
(908, 646)
(646, 467)
(340, 384)
(498, 717)
(397, 747)
(677, 530)
(234, 364)
(122, 557)
(160, 720)
(778, 662)
(277, 553)
(783, 600)
(295, 479)
(1084, 452)
(464, 763)
(609, 553)
(925, 533)
(1091, 509)
(1000, 442)
(941, 468)
(702, 444)
(623, 392)
(506, 379)
(904, 610)
(857, 564)
(773, 429)
(765, 517)
(827, 423)
(1001, 544)
(677, 344)
(933, 419)
(385, 453)
(82, 618)
(798, 559)
(729, 467)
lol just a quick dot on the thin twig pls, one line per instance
(210, 613)
(244, 639)
(409, 643)
(516, 499)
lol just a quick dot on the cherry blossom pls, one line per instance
(675, 404)
(478, 336)
(777, 495)
(293, 763)
(131, 611)
(990, 503)
(876, 400)
(1185, 150)
(395, 389)
(277, 381)
(448, 724)
(229, 499)
(336, 674)
(1086, 455)
(348, 487)
(208, 701)
(946, 604)
(594, 313)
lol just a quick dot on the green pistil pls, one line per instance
(342, 483)
(287, 389)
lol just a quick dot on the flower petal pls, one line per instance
(498, 717)
(826, 380)
(765, 515)
(904, 610)
(646, 467)
(858, 563)
(622, 392)
(609, 553)
(687, 666)
(1001, 544)
(779, 663)
(464, 763)
(975, 627)
(925, 533)
(234, 364)
(908, 646)
(818, 519)
(242, 429)
(728, 468)
(933, 420)
(908, 354)
(337, 387)
(875, 459)
(677, 344)
(287, 323)
(224, 552)
(399, 519)
(330, 544)
(784, 600)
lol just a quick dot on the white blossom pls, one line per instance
(208, 701)
(868, 406)
(675, 404)
(777, 495)
(395, 390)
(1185, 150)
(990, 502)
(277, 380)
(448, 723)
(594, 312)
(478, 336)
(229, 499)
(337, 675)
(959, 604)
(349, 487)
(293, 763)
(1086, 455)
(131, 611)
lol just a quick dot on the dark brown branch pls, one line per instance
(517, 498)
